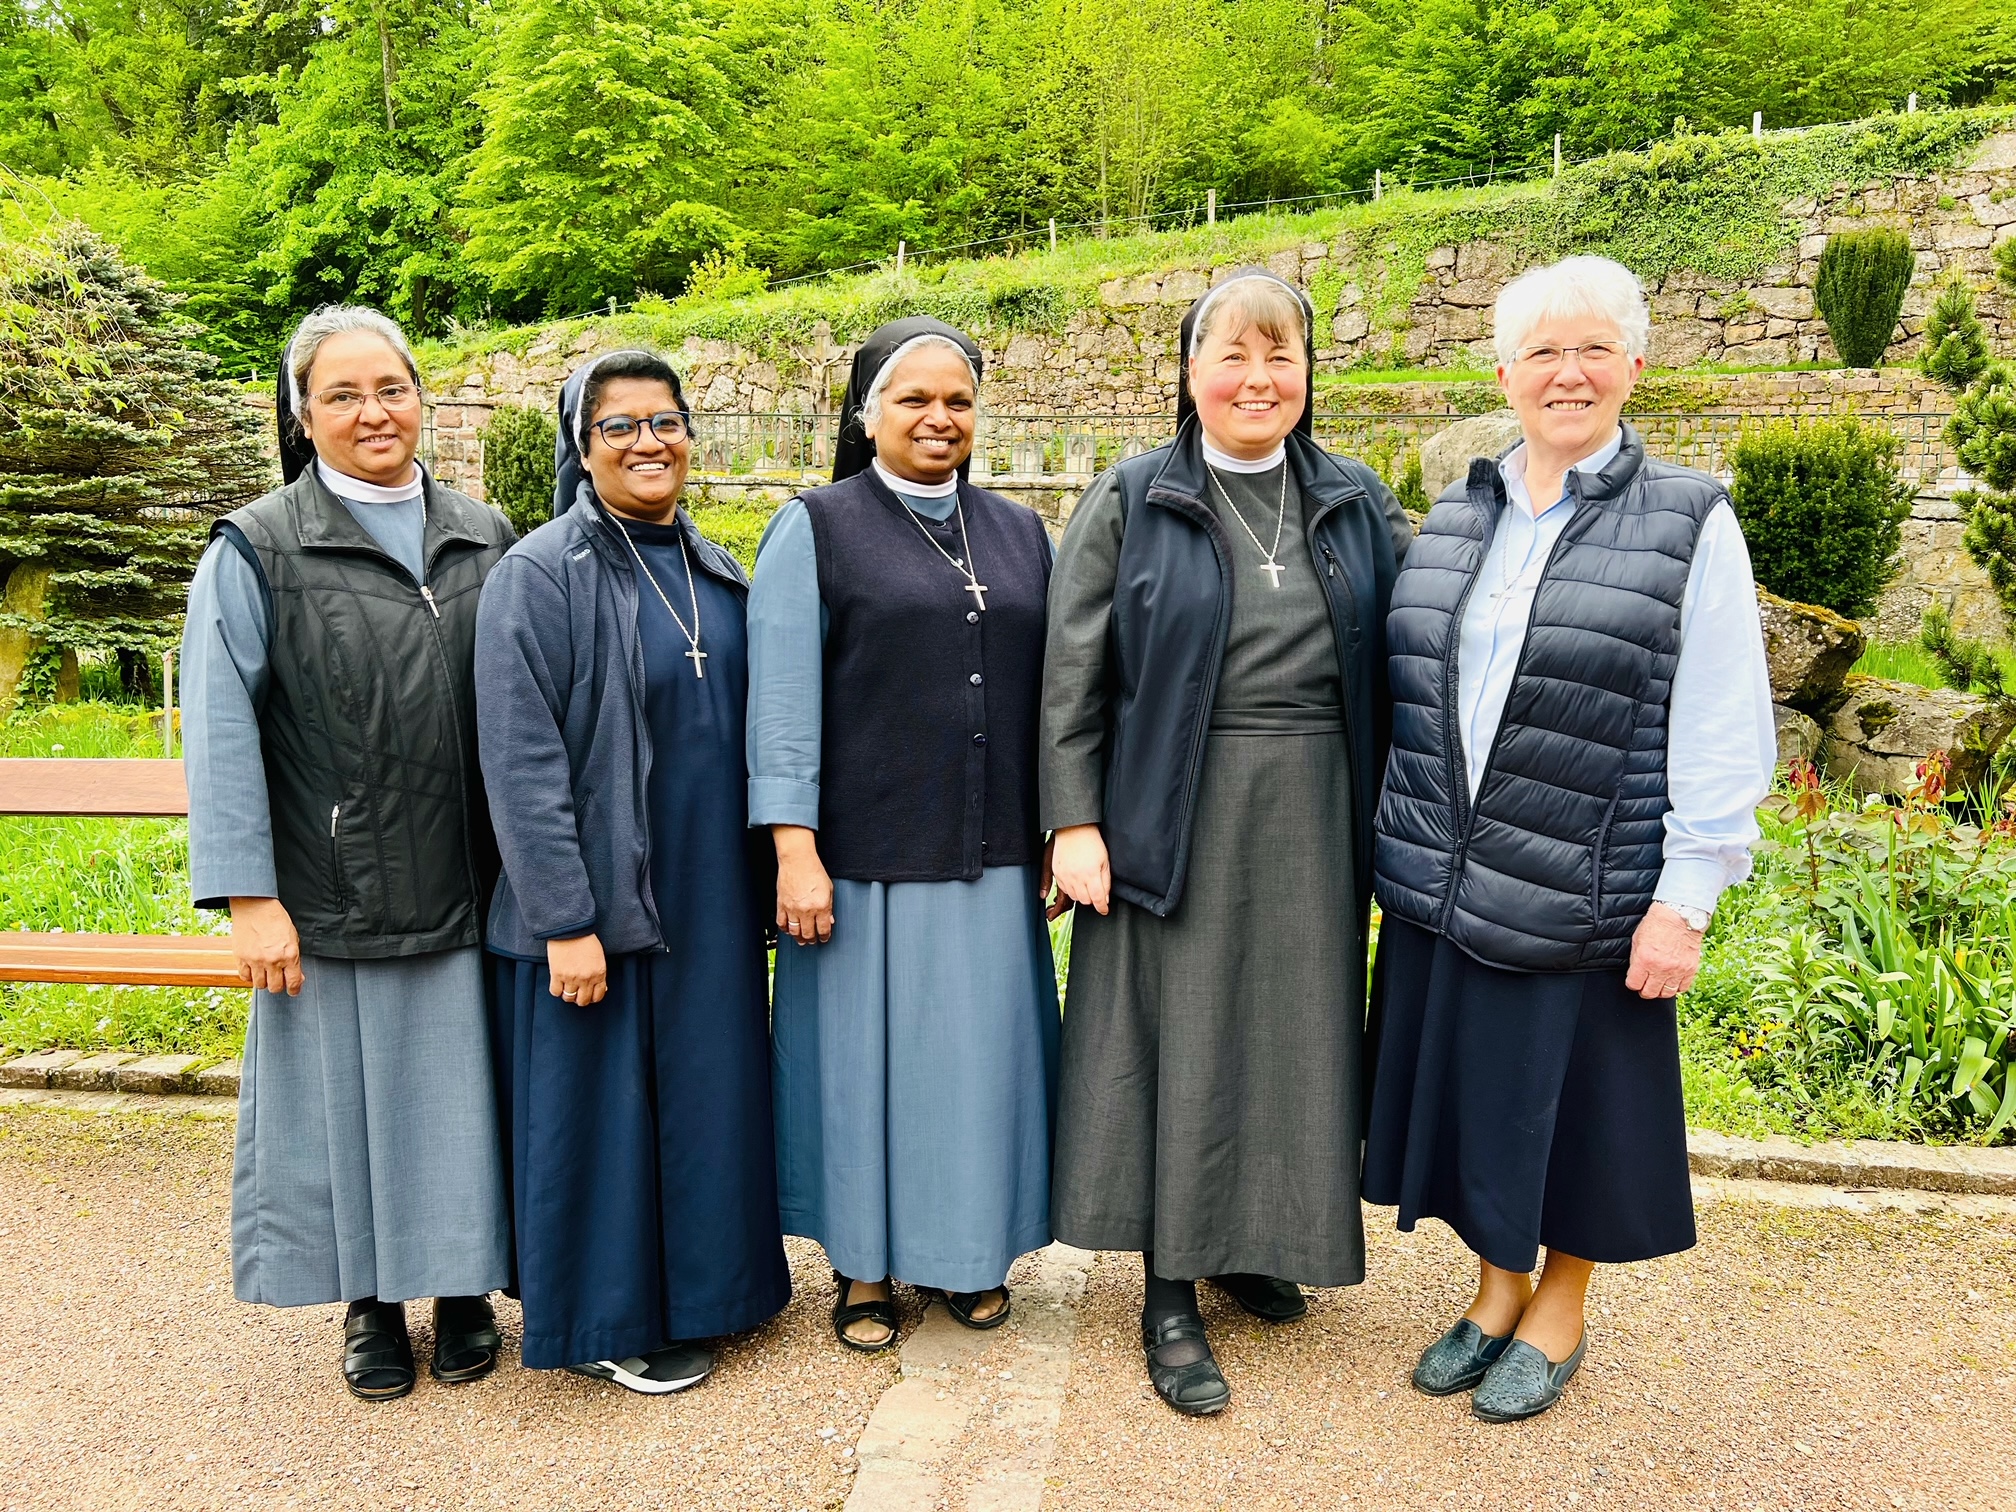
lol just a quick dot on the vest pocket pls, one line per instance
(339, 876)
(1596, 859)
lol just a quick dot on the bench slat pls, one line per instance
(102, 787)
(123, 960)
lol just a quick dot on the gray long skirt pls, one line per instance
(368, 1162)
(1210, 1102)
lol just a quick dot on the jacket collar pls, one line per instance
(327, 525)
(1182, 481)
(1487, 477)
(592, 518)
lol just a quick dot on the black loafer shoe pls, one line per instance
(1267, 1298)
(1524, 1383)
(466, 1340)
(1457, 1361)
(377, 1353)
(1181, 1368)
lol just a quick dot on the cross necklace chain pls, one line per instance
(1272, 555)
(973, 584)
(696, 655)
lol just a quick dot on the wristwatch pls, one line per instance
(1695, 919)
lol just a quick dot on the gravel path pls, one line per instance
(1817, 1351)
(1800, 1357)
(129, 1377)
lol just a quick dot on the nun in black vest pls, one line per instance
(1582, 731)
(896, 651)
(1214, 716)
(627, 936)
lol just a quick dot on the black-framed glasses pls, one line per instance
(621, 431)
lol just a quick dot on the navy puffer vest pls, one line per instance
(1554, 864)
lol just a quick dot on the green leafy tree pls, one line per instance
(117, 445)
(1860, 288)
(1822, 506)
(518, 464)
(1956, 347)
(592, 179)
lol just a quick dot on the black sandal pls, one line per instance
(1187, 1376)
(961, 1305)
(466, 1339)
(882, 1311)
(377, 1352)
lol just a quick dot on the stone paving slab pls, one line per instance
(157, 1074)
(220, 1080)
(91, 1073)
(34, 1070)
(1861, 1163)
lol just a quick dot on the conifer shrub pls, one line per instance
(1983, 434)
(518, 464)
(1861, 286)
(1822, 505)
(1956, 346)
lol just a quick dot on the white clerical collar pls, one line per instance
(913, 488)
(1226, 462)
(356, 489)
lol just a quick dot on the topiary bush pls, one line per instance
(1822, 506)
(1861, 286)
(518, 464)
(1956, 346)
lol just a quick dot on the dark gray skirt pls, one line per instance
(1526, 1108)
(1209, 1106)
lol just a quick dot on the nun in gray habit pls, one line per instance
(336, 809)
(1214, 729)
(895, 657)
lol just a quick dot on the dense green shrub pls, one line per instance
(1861, 286)
(518, 464)
(1956, 346)
(1983, 434)
(1822, 506)
(2005, 262)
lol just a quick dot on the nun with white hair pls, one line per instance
(337, 810)
(895, 663)
(1581, 734)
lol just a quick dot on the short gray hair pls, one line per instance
(334, 320)
(871, 403)
(1583, 285)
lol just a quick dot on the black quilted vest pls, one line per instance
(381, 832)
(927, 765)
(1554, 864)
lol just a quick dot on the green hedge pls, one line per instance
(518, 464)
(1822, 506)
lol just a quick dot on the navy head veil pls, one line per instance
(855, 450)
(1186, 406)
(569, 471)
(296, 451)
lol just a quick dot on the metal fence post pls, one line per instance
(1378, 184)
(1053, 233)
(1757, 125)
(901, 248)
(1557, 154)
(1210, 207)
(168, 704)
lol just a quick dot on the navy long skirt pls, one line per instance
(639, 1153)
(1525, 1109)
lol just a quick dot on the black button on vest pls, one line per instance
(927, 768)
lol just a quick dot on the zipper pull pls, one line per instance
(1330, 557)
(428, 594)
(334, 814)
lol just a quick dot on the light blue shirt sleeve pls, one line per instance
(787, 652)
(224, 670)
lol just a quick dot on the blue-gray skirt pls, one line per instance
(915, 1074)
(1525, 1108)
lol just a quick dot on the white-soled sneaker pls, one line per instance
(673, 1368)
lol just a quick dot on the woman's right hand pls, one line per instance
(1078, 862)
(268, 948)
(804, 891)
(577, 970)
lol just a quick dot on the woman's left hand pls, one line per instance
(1665, 954)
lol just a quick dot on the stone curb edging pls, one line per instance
(122, 1071)
(1961, 1169)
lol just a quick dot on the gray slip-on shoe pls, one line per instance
(1524, 1383)
(1457, 1361)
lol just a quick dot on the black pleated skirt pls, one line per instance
(1525, 1109)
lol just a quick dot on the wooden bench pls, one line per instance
(104, 788)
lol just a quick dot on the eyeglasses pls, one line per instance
(344, 401)
(621, 431)
(1594, 354)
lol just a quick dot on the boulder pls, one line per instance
(1445, 456)
(1883, 729)
(1799, 738)
(1809, 651)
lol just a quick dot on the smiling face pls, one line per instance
(643, 482)
(370, 442)
(925, 429)
(1568, 408)
(1250, 387)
